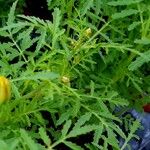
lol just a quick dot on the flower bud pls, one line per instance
(4, 89)
(88, 32)
(65, 79)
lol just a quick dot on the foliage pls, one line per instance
(5, 5)
(69, 74)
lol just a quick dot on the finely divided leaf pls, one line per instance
(83, 130)
(109, 116)
(117, 129)
(56, 32)
(123, 2)
(26, 32)
(81, 121)
(11, 15)
(112, 138)
(134, 25)
(144, 41)
(56, 19)
(28, 140)
(73, 146)
(133, 129)
(98, 133)
(34, 20)
(144, 58)
(65, 129)
(40, 75)
(64, 117)
(124, 13)
(14, 25)
(86, 6)
(41, 40)
(44, 136)
(119, 101)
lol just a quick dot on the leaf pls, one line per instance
(49, 2)
(14, 25)
(44, 136)
(40, 75)
(102, 105)
(83, 130)
(26, 32)
(136, 85)
(109, 116)
(11, 15)
(133, 129)
(64, 117)
(112, 140)
(66, 128)
(14, 144)
(98, 133)
(3, 145)
(41, 40)
(117, 129)
(73, 146)
(55, 37)
(123, 2)
(34, 20)
(119, 101)
(28, 140)
(144, 58)
(4, 33)
(76, 108)
(98, 5)
(81, 121)
(133, 25)
(124, 13)
(56, 32)
(26, 42)
(15, 90)
(144, 41)
(86, 6)
(56, 19)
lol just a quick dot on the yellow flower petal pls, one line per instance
(4, 89)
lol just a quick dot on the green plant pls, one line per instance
(77, 68)
(5, 5)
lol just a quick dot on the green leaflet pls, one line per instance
(73, 146)
(133, 25)
(65, 128)
(123, 2)
(124, 13)
(82, 120)
(11, 15)
(82, 130)
(44, 136)
(40, 75)
(112, 138)
(133, 128)
(144, 58)
(86, 6)
(98, 134)
(28, 140)
(143, 41)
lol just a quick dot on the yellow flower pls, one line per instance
(4, 89)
